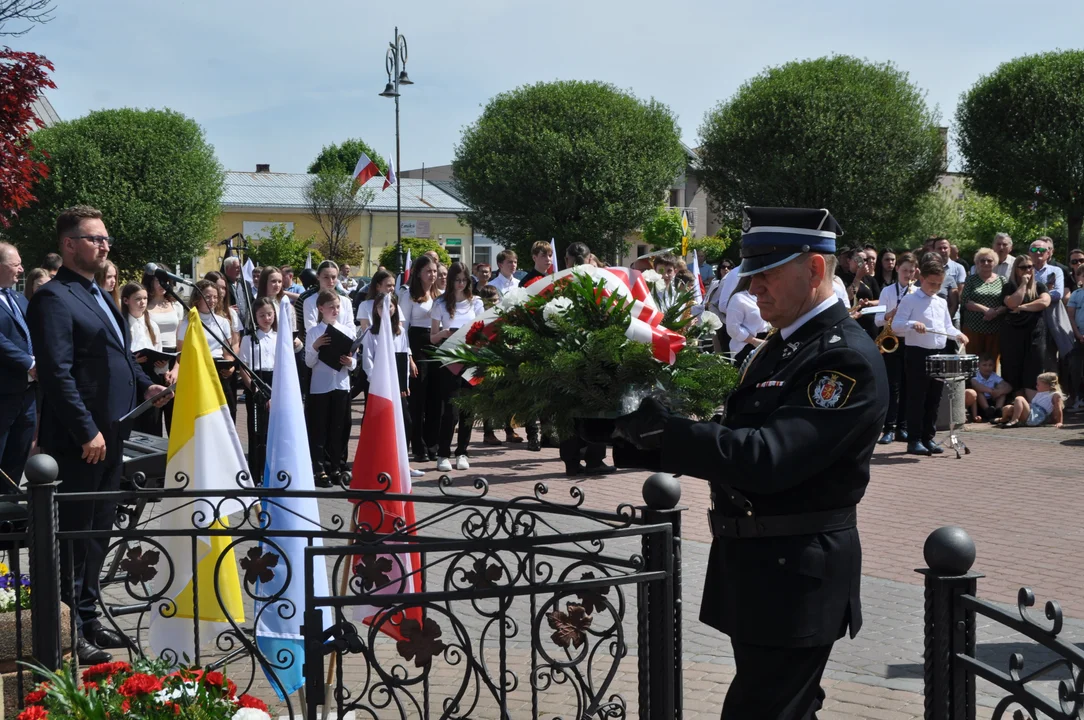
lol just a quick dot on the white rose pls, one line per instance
(513, 297)
(650, 277)
(554, 309)
(710, 321)
(250, 714)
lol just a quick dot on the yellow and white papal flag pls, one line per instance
(204, 457)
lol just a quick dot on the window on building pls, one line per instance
(259, 229)
(675, 198)
(483, 254)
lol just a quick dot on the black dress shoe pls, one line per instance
(90, 654)
(888, 438)
(322, 481)
(102, 637)
(573, 470)
(596, 470)
(901, 435)
(934, 447)
(917, 448)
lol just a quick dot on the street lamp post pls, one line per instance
(395, 64)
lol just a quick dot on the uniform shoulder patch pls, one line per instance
(830, 389)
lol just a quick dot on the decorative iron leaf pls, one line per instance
(420, 641)
(483, 577)
(591, 598)
(258, 566)
(373, 571)
(569, 628)
(140, 565)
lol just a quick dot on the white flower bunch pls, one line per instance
(513, 297)
(653, 278)
(710, 321)
(250, 714)
(554, 309)
(7, 600)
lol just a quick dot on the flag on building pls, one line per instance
(389, 179)
(382, 451)
(278, 623)
(365, 170)
(553, 256)
(205, 458)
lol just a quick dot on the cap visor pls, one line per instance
(760, 263)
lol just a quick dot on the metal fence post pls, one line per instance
(41, 474)
(661, 618)
(948, 688)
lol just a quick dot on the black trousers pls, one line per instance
(924, 394)
(452, 419)
(425, 409)
(896, 419)
(575, 447)
(325, 413)
(257, 417)
(776, 683)
(81, 560)
(17, 420)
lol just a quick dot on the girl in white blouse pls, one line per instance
(747, 330)
(145, 336)
(415, 308)
(456, 308)
(328, 404)
(258, 352)
(167, 313)
(383, 282)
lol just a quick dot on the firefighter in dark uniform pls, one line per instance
(787, 468)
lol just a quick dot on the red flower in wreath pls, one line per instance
(34, 712)
(474, 332)
(218, 680)
(140, 684)
(105, 670)
(88, 686)
(247, 701)
(36, 696)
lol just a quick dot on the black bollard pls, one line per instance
(41, 474)
(660, 670)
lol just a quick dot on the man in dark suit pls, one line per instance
(18, 372)
(787, 469)
(89, 380)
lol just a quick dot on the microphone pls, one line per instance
(164, 276)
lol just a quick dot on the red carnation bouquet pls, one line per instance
(148, 691)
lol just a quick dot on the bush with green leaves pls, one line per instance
(1021, 135)
(282, 247)
(342, 157)
(841, 133)
(151, 173)
(664, 229)
(389, 256)
(576, 161)
(563, 355)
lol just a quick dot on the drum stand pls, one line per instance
(954, 439)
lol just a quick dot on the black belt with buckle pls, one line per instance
(754, 526)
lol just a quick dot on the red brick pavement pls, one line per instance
(1019, 494)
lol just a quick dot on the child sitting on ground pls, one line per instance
(988, 391)
(1046, 405)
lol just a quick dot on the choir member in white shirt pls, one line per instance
(506, 265)
(383, 283)
(747, 330)
(258, 352)
(145, 336)
(328, 404)
(896, 420)
(327, 273)
(457, 308)
(219, 334)
(415, 308)
(923, 321)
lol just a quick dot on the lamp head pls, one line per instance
(389, 91)
(404, 79)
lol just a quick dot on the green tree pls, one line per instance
(389, 257)
(841, 133)
(151, 173)
(282, 247)
(714, 247)
(664, 229)
(335, 201)
(575, 161)
(342, 157)
(1021, 135)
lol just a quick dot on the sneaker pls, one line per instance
(461, 463)
(416, 473)
(444, 465)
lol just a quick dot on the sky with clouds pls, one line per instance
(272, 81)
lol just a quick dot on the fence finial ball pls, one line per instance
(949, 550)
(40, 469)
(662, 491)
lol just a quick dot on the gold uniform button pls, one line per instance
(782, 561)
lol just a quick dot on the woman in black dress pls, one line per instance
(1022, 332)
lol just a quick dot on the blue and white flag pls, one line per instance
(278, 623)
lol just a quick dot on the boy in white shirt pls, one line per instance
(328, 404)
(506, 264)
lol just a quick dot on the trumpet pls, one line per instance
(887, 342)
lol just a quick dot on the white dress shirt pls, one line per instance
(503, 283)
(803, 319)
(414, 314)
(368, 351)
(258, 352)
(141, 339)
(931, 311)
(465, 313)
(743, 321)
(840, 291)
(220, 328)
(890, 298)
(167, 321)
(312, 312)
(726, 289)
(324, 378)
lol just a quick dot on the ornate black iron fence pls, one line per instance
(951, 664)
(522, 606)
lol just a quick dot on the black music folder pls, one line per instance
(154, 357)
(402, 365)
(341, 344)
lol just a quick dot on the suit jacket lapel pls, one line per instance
(77, 289)
(20, 321)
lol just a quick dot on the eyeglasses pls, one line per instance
(98, 240)
(1076, 261)
(1039, 250)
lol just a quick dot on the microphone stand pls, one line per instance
(259, 432)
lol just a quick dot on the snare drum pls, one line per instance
(952, 366)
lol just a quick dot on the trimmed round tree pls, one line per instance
(840, 133)
(343, 157)
(576, 161)
(1021, 135)
(151, 173)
